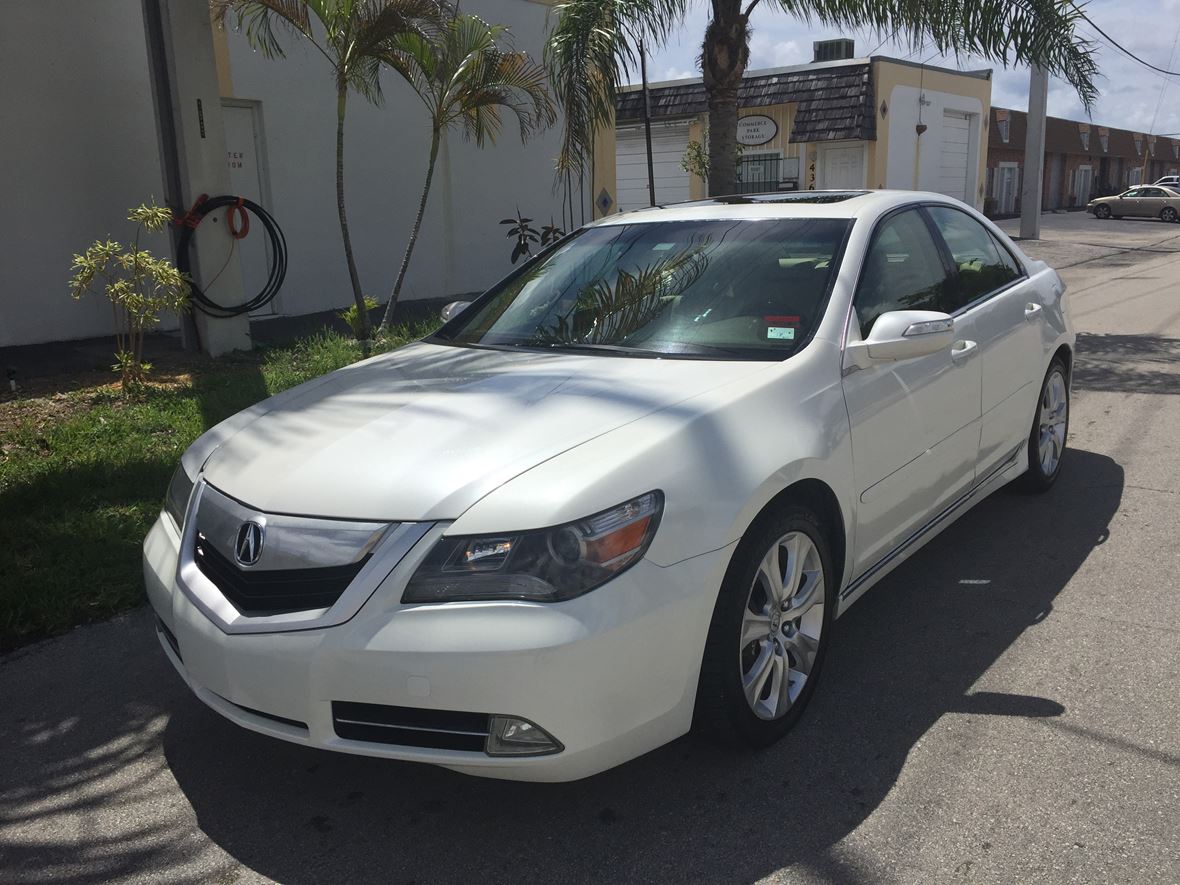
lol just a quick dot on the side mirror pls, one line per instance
(452, 309)
(903, 335)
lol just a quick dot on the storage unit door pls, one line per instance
(668, 142)
(956, 141)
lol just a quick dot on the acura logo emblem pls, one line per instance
(249, 545)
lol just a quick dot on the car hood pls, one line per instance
(426, 431)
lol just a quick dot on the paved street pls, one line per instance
(1003, 708)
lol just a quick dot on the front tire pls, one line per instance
(769, 632)
(1102, 212)
(1046, 441)
(1168, 214)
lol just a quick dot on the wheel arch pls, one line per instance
(1065, 353)
(820, 498)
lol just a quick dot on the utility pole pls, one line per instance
(1034, 155)
(651, 172)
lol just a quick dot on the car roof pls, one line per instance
(789, 204)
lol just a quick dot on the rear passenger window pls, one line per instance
(902, 271)
(980, 265)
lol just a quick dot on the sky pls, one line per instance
(1131, 95)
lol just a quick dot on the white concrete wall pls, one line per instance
(78, 147)
(462, 247)
(903, 138)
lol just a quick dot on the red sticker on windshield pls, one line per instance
(783, 320)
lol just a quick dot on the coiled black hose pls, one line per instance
(278, 253)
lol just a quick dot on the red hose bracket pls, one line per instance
(191, 218)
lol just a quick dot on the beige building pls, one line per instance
(852, 123)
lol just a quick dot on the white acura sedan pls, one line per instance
(626, 490)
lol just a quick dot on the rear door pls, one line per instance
(915, 423)
(1007, 321)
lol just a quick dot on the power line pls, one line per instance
(1164, 84)
(1113, 42)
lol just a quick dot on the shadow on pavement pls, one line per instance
(1127, 363)
(907, 654)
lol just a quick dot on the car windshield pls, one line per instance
(732, 289)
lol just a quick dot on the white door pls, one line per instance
(668, 143)
(915, 422)
(1007, 184)
(247, 178)
(956, 143)
(843, 168)
(1084, 182)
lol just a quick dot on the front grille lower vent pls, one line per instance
(410, 726)
(265, 592)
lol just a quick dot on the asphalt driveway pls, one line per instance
(1003, 708)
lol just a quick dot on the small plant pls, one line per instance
(551, 233)
(138, 285)
(696, 158)
(522, 228)
(355, 320)
(525, 234)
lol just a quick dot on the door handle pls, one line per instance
(962, 350)
(1032, 311)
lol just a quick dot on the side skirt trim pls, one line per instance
(937, 520)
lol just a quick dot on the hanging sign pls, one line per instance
(756, 129)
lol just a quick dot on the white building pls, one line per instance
(82, 141)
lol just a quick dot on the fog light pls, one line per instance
(511, 736)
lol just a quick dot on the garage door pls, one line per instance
(667, 150)
(956, 140)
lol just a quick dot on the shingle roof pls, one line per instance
(834, 102)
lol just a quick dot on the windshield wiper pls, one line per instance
(608, 348)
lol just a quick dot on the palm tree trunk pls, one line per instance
(401, 274)
(724, 56)
(357, 294)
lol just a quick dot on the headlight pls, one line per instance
(548, 565)
(176, 502)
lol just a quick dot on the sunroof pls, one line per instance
(790, 197)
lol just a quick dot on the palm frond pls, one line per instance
(259, 20)
(1005, 31)
(465, 76)
(592, 49)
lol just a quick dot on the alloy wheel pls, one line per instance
(1053, 417)
(1168, 214)
(781, 625)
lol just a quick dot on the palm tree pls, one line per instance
(465, 78)
(354, 36)
(593, 47)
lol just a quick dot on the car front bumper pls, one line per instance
(610, 675)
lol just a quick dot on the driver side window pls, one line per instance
(903, 270)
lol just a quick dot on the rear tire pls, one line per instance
(1046, 440)
(768, 639)
(1168, 214)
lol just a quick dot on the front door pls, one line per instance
(1006, 187)
(1008, 322)
(1084, 181)
(915, 423)
(843, 168)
